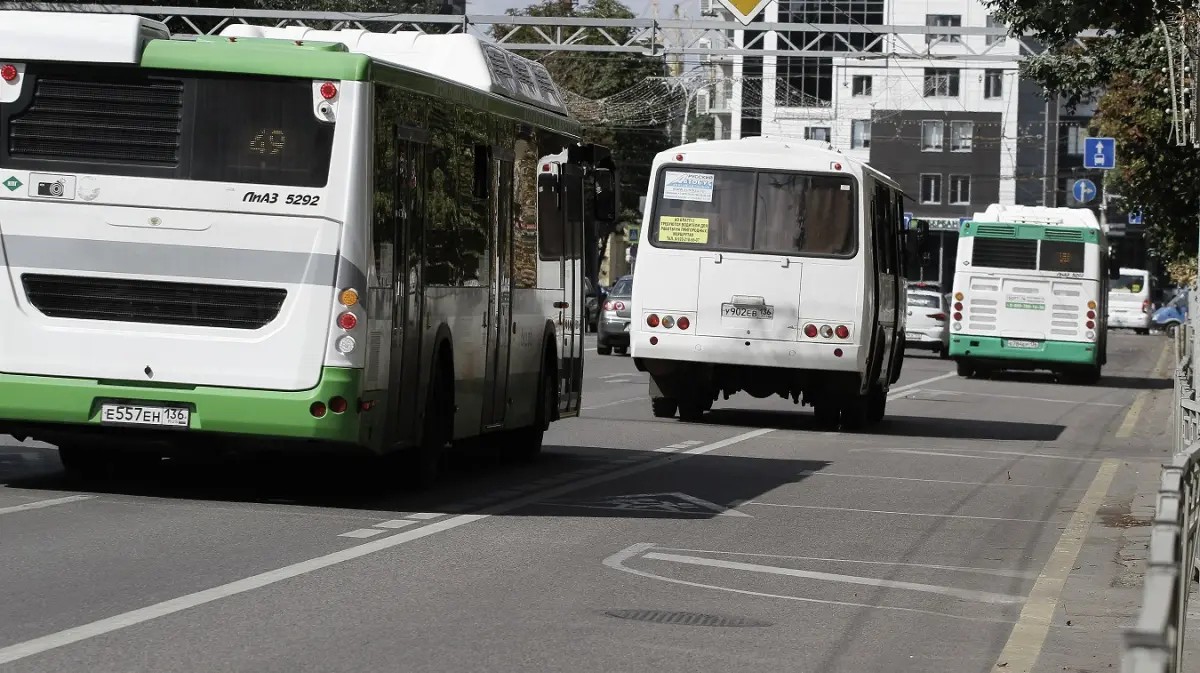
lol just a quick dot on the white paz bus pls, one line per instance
(774, 267)
(286, 237)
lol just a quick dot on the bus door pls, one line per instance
(500, 326)
(572, 313)
(884, 264)
(407, 270)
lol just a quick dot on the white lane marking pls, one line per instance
(667, 449)
(691, 442)
(721, 511)
(613, 404)
(39, 504)
(998, 572)
(890, 513)
(1028, 635)
(100, 627)
(613, 376)
(362, 532)
(1020, 454)
(954, 592)
(394, 523)
(1021, 397)
(617, 562)
(818, 473)
(918, 384)
(674, 503)
(941, 454)
(423, 516)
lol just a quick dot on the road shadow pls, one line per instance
(477, 479)
(1136, 383)
(894, 426)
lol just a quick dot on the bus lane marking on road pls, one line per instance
(40, 504)
(618, 562)
(1028, 635)
(1005, 484)
(124, 620)
(891, 513)
(1125, 431)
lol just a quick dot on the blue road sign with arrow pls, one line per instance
(907, 219)
(1135, 217)
(1083, 190)
(1100, 153)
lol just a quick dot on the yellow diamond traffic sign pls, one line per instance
(745, 10)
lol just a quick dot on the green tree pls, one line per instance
(1122, 72)
(597, 75)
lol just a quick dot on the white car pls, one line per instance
(1129, 305)
(926, 322)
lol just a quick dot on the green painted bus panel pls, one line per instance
(271, 413)
(1029, 232)
(216, 56)
(996, 348)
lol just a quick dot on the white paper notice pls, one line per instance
(688, 186)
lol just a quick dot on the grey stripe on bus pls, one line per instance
(188, 261)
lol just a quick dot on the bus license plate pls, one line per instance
(132, 414)
(1016, 343)
(754, 312)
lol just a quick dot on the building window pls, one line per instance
(817, 133)
(931, 188)
(1075, 135)
(993, 22)
(960, 189)
(961, 134)
(941, 82)
(993, 83)
(943, 20)
(860, 134)
(861, 85)
(931, 136)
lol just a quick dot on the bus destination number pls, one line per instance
(273, 197)
(753, 312)
(140, 415)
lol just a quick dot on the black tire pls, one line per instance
(691, 409)
(828, 414)
(526, 443)
(943, 352)
(602, 349)
(965, 370)
(1169, 330)
(876, 405)
(427, 460)
(856, 413)
(664, 407)
(622, 350)
(1141, 331)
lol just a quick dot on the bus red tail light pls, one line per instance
(958, 306)
(347, 321)
(1091, 315)
(1091, 325)
(957, 315)
(317, 409)
(842, 332)
(337, 405)
(683, 323)
(652, 320)
(810, 331)
(8, 73)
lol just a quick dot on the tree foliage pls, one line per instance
(1122, 72)
(597, 75)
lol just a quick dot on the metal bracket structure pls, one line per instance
(647, 37)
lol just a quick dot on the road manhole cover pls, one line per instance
(683, 618)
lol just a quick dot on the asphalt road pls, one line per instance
(985, 525)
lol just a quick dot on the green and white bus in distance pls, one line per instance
(1031, 292)
(286, 238)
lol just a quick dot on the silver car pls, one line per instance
(612, 330)
(926, 322)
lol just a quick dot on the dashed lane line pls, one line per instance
(53, 641)
(39, 504)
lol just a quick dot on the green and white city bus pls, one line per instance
(1031, 292)
(341, 238)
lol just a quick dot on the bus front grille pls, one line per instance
(112, 117)
(157, 302)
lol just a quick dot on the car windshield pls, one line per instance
(926, 300)
(1132, 283)
(622, 288)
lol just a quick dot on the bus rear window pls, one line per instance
(745, 210)
(126, 121)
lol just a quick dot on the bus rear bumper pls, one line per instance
(987, 348)
(753, 352)
(49, 408)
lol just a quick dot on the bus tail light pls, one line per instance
(345, 344)
(957, 316)
(347, 321)
(1091, 315)
(683, 322)
(958, 306)
(652, 320)
(668, 321)
(827, 331)
(1090, 324)
(958, 296)
(317, 409)
(810, 331)
(842, 332)
(8, 73)
(348, 297)
(1091, 304)
(328, 90)
(337, 405)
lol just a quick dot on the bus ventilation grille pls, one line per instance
(156, 302)
(993, 230)
(1004, 253)
(1057, 235)
(106, 118)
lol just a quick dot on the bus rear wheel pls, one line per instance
(526, 443)
(425, 462)
(964, 370)
(663, 407)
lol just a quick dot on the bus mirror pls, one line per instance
(605, 206)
